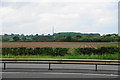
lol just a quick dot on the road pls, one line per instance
(59, 71)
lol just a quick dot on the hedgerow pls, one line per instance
(59, 51)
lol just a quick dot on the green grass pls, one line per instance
(104, 56)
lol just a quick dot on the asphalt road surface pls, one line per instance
(59, 71)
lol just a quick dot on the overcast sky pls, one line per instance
(39, 16)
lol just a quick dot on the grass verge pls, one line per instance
(104, 56)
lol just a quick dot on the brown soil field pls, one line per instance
(58, 44)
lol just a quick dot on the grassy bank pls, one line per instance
(93, 56)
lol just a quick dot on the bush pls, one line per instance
(5, 51)
(22, 51)
(29, 51)
(37, 50)
(100, 51)
(14, 51)
(60, 51)
(17, 51)
(85, 50)
(44, 50)
(110, 50)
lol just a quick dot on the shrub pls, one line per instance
(14, 51)
(37, 50)
(85, 50)
(22, 50)
(44, 50)
(60, 51)
(30, 51)
(100, 51)
(17, 51)
(6, 51)
(110, 49)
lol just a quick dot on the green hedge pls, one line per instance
(61, 51)
(88, 50)
(99, 51)
(35, 51)
(58, 51)
(17, 51)
(43, 51)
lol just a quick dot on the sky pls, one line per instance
(40, 16)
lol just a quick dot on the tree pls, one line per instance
(16, 38)
(68, 39)
(78, 36)
(5, 39)
(5, 34)
(24, 38)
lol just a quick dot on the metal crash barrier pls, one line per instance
(61, 61)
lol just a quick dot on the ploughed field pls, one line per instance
(58, 44)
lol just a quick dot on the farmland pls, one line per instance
(76, 50)
(58, 44)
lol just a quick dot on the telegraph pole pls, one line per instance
(53, 33)
(53, 30)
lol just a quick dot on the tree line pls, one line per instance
(61, 37)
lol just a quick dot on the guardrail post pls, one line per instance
(95, 67)
(49, 66)
(4, 66)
